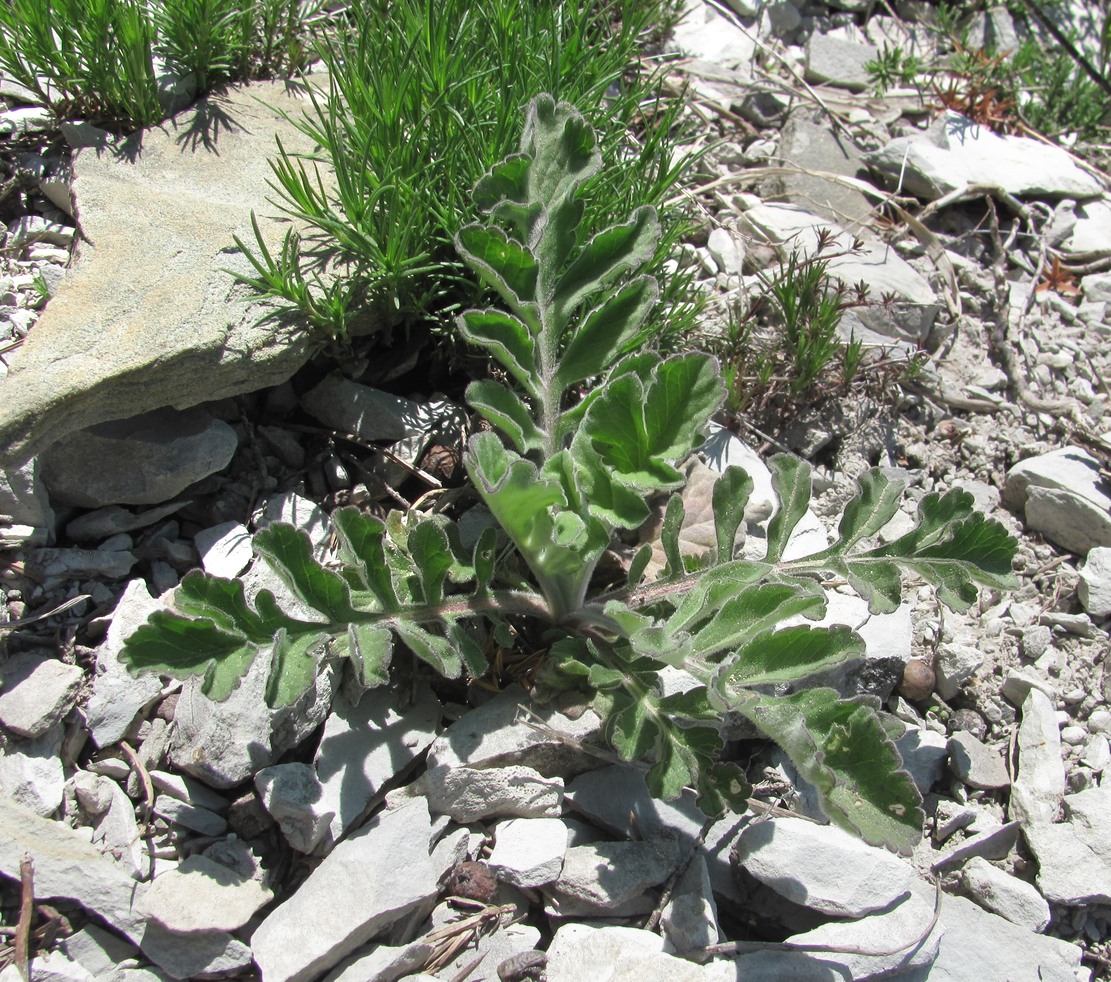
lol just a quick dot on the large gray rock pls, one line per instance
(68, 865)
(584, 953)
(158, 212)
(706, 33)
(809, 144)
(878, 932)
(1062, 496)
(23, 499)
(38, 691)
(118, 697)
(31, 772)
(978, 945)
(611, 878)
(528, 852)
(1005, 895)
(144, 460)
(468, 794)
(1074, 857)
(822, 867)
(955, 153)
(370, 881)
(207, 954)
(367, 742)
(202, 895)
(838, 62)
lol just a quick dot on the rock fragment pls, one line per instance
(1094, 589)
(202, 895)
(38, 692)
(225, 549)
(378, 876)
(145, 460)
(822, 867)
(610, 878)
(839, 63)
(31, 772)
(1074, 856)
(976, 764)
(1005, 895)
(529, 852)
(1040, 781)
(468, 794)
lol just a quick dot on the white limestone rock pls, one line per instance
(822, 867)
(468, 794)
(1040, 781)
(38, 692)
(838, 62)
(204, 954)
(528, 852)
(68, 865)
(31, 772)
(1094, 589)
(203, 895)
(955, 665)
(690, 918)
(225, 549)
(492, 735)
(955, 153)
(1005, 895)
(368, 739)
(1061, 495)
(707, 34)
(370, 881)
(291, 793)
(1074, 856)
(610, 878)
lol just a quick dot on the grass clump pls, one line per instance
(98, 59)
(421, 100)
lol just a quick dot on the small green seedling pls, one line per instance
(589, 425)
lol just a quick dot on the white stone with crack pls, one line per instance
(1040, 781)
(528, 852)
(468, 794)
(1004, 894)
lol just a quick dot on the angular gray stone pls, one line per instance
(581, 952)
(924, 754)
(528, 852)
(116, 832)
(495, 734)
(690, 918)
(1006, 895)
(202, 895)
(143, 460)
(159, 211)
(96, 950)
(978, 945)
(955, 665)
(367, 743)
(382, 963)
(809, 144)
(292, 795)
(199, 820)
(822, 867)
(726, 250)
(224, 743)
(468, 794)
(956, 152)
(707, 34)
(95, 526)
(837, 62)
(189, 791)
(118, 697)
(1062, 496)
(38, 692)
(54, 566)
(68, 865)
(610, 878)
(31, 772)
(1040, 781)
(369, 413)
(1094, 589)
(1074, 856)
(207, 954)
(976, 764)
(373, 879)
(993, 844)
(23, 499)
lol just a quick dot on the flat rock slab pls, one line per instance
(202, 895)
(67, 865)
(1074, 857)
(38, 691)
(956, 153)
(148, 315)
(822, 867)
(373, 879)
